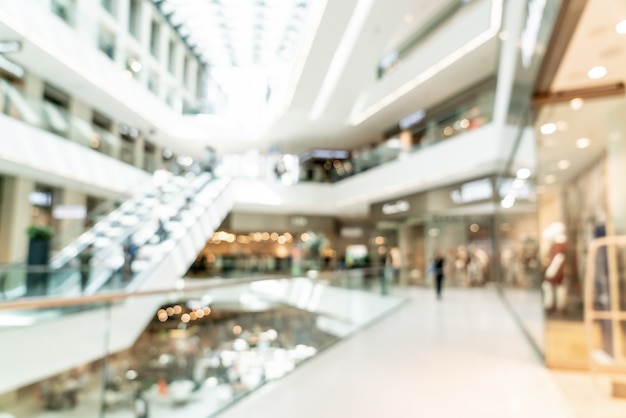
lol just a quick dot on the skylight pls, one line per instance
(239, 33)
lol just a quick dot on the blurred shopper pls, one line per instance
(130, 253)
(438, 267)
(85, 258)
(140, 405)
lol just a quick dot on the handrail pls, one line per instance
(55, 302)
(182, 286)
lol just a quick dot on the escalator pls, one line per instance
(155, 223)
(196, 207)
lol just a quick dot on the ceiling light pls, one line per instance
(563, 164)
(548, 128)
(508, 202)
(583, 143)
(597, 72)
(621, 27)
(134, 65)
(393, 143)
(408, 18)
(577, 103)
(550, 178)
(523, 173)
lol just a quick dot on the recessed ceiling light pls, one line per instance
(563, 164)
(577, 103)
(550, 178)
(621, 27)
(583, 143)
(597, 72)
(548, 128)
(523, 173)
(508, 202)
(408, 18)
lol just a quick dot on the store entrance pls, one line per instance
(467, 246)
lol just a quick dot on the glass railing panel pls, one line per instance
(196, 349)
(42, 379)
(55, 119)
(461, 119)
(18, 281)
(125, 242)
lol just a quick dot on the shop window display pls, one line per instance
(573, 214)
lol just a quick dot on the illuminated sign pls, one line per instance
(329, 154)
(351, 232)
(531, 30)
(299, 221)
(69, 212)
(473, 191)
(40, 198)
(398, 207)
(10, 46)
(413, 119)
(11, 67)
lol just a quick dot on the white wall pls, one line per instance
(38, 155)
(469, 155)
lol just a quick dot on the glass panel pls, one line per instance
(192, 351)
(65, 9)
(73, 380)
(106, 43)
(53, 118)
(108, 5)
(433, 129)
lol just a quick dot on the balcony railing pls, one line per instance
(196, 348)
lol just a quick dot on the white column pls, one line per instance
(33, 86)
(121, 49)
(87, 20)
(15, 216)
(514, 16)
(70, 198)
(139, 152)
(145, 26)
(79, 110)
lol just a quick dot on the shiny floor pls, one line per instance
(461, 357)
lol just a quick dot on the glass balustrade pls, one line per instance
(123, 245)
(57, 120)
(190, 351)
(464, 118)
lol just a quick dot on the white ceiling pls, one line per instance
(382, 26)
(239, 33)
(383, 29)
(595, 42)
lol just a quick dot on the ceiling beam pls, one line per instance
(562, 34)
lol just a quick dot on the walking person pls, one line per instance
(438, 266)
(85, 258)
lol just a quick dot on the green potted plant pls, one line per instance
(39, 232)
(39, 237)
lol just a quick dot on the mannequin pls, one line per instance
(554, 286)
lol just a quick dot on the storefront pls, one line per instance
(464, 222)
(581, 168)
(287, 244)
